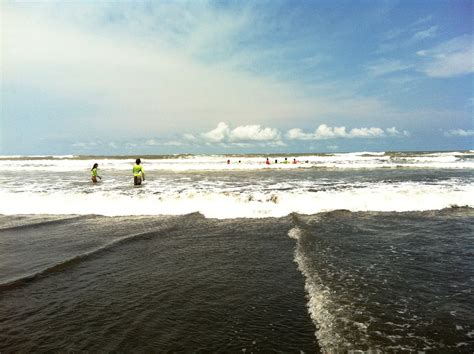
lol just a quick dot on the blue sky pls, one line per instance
(234, 76)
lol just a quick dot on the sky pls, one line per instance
(173, 77)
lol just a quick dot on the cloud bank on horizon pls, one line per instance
(213, 76)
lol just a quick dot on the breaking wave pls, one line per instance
(399, 197)
(356, 160)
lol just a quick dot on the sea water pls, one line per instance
(358, 251)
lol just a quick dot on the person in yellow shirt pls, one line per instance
(94, 173)
(138, 173)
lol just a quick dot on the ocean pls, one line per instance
(368, 251)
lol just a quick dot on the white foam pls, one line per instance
(320, 304)
(294, 233)
(215, 203)
(357, 160)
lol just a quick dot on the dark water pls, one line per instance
(169, 284)
(390, 281)
(333, 281)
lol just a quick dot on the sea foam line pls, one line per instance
(222, 205)
(319, 302)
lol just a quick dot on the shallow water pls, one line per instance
(390, 281)
(372, 280)
(167, 284)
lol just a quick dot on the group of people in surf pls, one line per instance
(267, 162)
(138, 173)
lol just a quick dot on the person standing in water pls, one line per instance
(138, 173)
(94, 173)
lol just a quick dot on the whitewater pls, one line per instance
(246, 187)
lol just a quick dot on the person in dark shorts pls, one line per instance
(94, 173)
(138, 173)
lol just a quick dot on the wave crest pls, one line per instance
(224, 204)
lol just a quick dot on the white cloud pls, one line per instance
(430, 32)
(218, 134)
(459, 133)
(298, 134)
(160, 82)
(242, 134)
(384, 66)
(399, 38)
(324, 132)
(254, 133)
(394, 132)
(449, 59)
(366, 133)
(150, 66)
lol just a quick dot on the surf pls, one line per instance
(215, 203)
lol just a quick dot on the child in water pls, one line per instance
(138, 173)
(94, 173)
